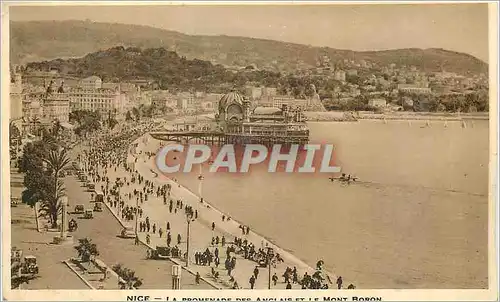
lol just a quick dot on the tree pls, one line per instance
(88, 121)
(56, 128)
(56, 161)
(35, 124)
(38, 182)
(112, 123)
(14, 133)
(136, 113)
(128, 116)
(128, 276)
(86, 249)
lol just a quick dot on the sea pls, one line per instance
(416, 218)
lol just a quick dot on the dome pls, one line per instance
(228, 99)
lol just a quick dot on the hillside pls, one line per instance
(45, 40)
(158, 65)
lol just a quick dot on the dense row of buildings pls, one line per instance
(50, 96)
(46, 97)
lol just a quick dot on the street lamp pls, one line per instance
(136, 216)
(189, 218)
(270, 260)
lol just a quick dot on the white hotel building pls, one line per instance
(91, 96)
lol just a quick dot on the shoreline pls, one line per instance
(345, 116)
(285, 253)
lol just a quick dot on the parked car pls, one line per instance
(79, 209)
(89, 214)
(98, 207)
(128, 233)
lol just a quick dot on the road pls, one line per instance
(53, 273)
(103, 230)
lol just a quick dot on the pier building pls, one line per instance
(238, 122)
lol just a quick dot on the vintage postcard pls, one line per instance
(249, 151)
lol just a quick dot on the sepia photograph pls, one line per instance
(327, 148)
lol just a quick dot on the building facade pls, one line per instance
(103, 100)
(414, 88)
(16, 98)
(92, 82)
(56, 108)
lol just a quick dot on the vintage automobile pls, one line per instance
(160, 253)
(128, 233)
(89, 214)
(98, 207)
(99, 196)
(72, 225)
(15, 254)
(68, 171)
(29, 266)
(15, 201)
(79, 209)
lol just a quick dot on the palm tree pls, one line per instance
(56, 128)
(128, 276)
(86, 249)
(56, 161)
(52, 206)
(35, 121)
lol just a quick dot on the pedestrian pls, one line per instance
(195, 214)
(223, 241)
(256, 272)
(275, 279)
(213, 226)
(288, 286)
(168, 226)
(160, 231)
(148, 239)
(339, 282)
(154, 228)
(252, 282)
(178, 239)
(198, 277)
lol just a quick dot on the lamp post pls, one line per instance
(200, 178)
(189, 218)
(270, 257)
(136, 216)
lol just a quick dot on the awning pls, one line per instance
(67, 125)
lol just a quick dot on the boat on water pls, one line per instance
(344, 178)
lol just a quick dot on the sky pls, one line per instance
(459, 27)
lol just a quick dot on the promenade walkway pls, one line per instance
(201, 229)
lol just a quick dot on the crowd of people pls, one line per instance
(110, 151)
